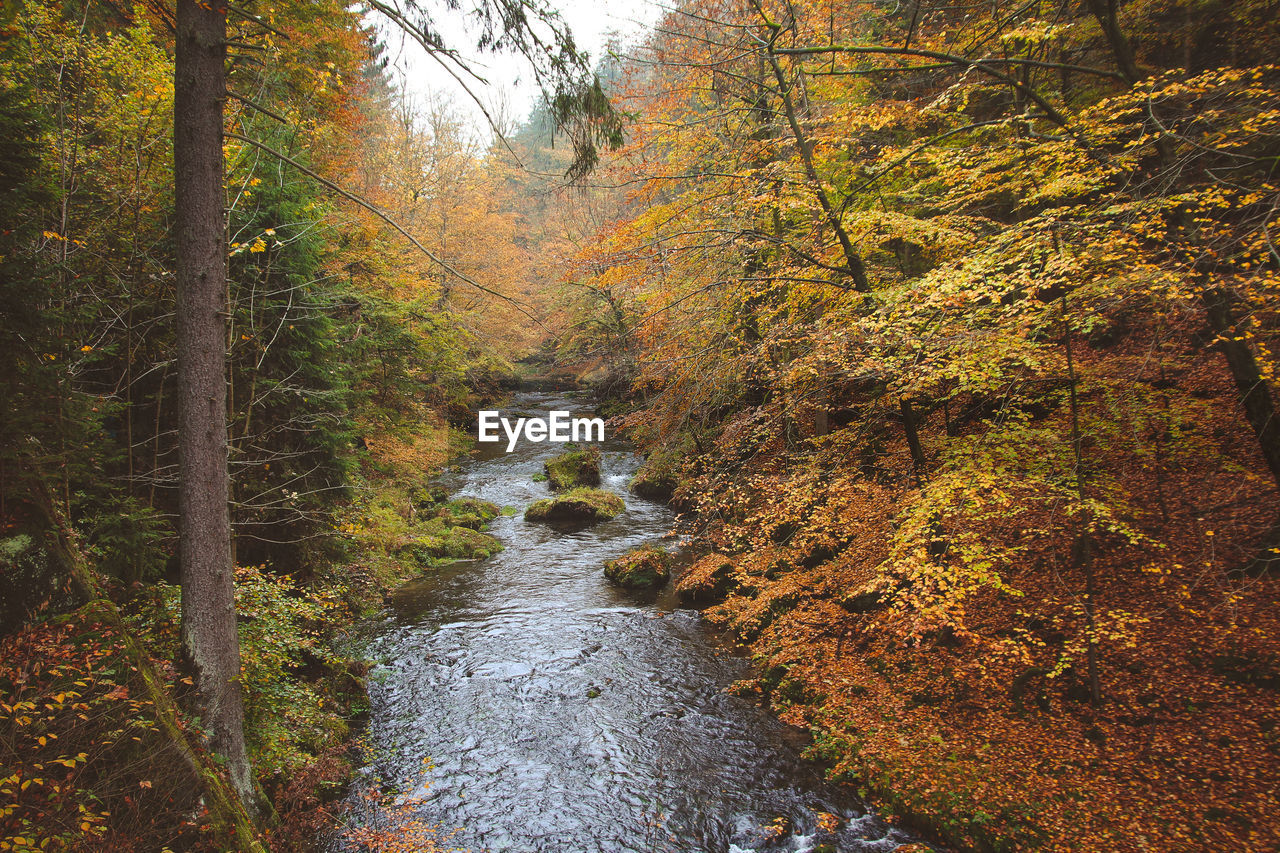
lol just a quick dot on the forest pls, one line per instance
(950, 332)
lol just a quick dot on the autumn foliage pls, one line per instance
(349, 357)
(951, 331)
(86, 766)
(962, 321)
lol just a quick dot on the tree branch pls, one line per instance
(983, 65)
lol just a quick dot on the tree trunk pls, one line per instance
(1259, 409)
(1255, 395)
(853, 261)
(1082, 547)
(1106, 13)
(209, 637)
(913, 440)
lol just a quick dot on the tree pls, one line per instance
(209, 638)
(1009, 467)
(209, 633)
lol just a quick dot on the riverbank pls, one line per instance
(527, 701)
(399, 525)
(931, 634)
(87, 761)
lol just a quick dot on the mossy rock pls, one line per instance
(580, 467)
(658, 477)
(465, 543)
(467, 512)
(425, 498)
(654, 485)
(438, 541)
(642, 568)
(707, 580)
(579, 506)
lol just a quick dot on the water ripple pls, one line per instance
(560, 714)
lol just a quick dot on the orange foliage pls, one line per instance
(932, 303)
(84, 766)
(978, 725)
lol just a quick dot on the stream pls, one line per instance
(525, 701)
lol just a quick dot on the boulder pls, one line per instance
(453, 532)
(654, 486)
(658, 477)
(436, 541)
(709, 579)
(578, 506)
(467, 512)
(643, 568)
(578, 467)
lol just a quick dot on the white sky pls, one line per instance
(510, 78)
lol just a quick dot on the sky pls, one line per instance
(511, 90)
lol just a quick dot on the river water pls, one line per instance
(531, 705)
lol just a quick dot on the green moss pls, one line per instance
(574, 468)
(658, 477)
(453, 533)
(467, 512)
(582, 506)
(426, 497)
(436, 541)
(642, 568)
(465, 543)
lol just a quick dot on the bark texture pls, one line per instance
(209, 635)
(1255, 395)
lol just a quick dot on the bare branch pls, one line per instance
(983, 65)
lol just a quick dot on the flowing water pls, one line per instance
(528, 702)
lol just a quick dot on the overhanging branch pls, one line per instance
(986, 66)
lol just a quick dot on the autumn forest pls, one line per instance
(945, 335)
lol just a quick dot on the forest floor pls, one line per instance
(982, 731)
(85, 764)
